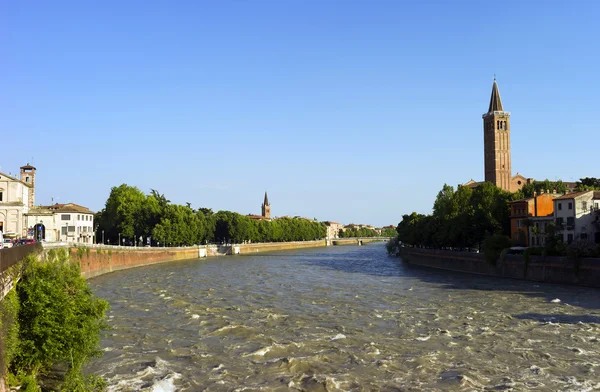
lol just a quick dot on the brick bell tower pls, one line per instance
(28, 177)
(496, 142)
(266, 208)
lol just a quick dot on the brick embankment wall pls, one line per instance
(550, 269)
(99, 261)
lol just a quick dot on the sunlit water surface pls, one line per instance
(342, 319)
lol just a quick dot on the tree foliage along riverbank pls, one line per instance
(461, 218)
(129, 214)
(357, 232)
(465, 218)
(51, 321)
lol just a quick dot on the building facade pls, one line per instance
(577, 217)
(333, 229)
(17, 196)
(525, 213)
(61, 222)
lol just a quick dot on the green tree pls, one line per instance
(528, 190)
(560, 187)
(121, 213)
(60, 319)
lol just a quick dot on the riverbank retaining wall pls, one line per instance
(99, 260)
(278, 246)
(550, 269)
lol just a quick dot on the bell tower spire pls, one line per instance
(496, 142)
(266, 207)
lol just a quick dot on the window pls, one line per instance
(570, 205)
(583, 236)
(559, 221)
(570, 221)
(63, 230)
(78, 217)
(85, 229)
(0, 196)
(584, 205)
(65, 217)
(569, 238)
(71, 229)
(26, 179)
(560, 206)
(519, 223)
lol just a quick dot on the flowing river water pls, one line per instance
(342, 319)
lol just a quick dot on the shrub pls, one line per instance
(493, 246)
(60, 319)
(393, 246)
(9, 329)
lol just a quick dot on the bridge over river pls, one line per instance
(342, 318)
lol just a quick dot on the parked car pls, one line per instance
(26, 241)
(1, 240)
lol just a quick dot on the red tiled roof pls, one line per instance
(572, 195)
(69, 207)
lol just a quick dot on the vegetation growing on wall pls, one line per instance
(129, 214)
(58, 323)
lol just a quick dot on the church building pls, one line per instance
(265, 208)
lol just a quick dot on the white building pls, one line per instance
(62, 222)
(577, 216)
(17, 196)
(333, 229)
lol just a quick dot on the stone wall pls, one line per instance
(277, 246)
(585, 272)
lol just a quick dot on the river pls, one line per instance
(342, 318)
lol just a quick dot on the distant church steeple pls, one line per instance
(266, 208)
(496, 142)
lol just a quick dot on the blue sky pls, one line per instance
(352, 111)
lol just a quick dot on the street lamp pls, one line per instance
(102, 237)
(119, 243)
